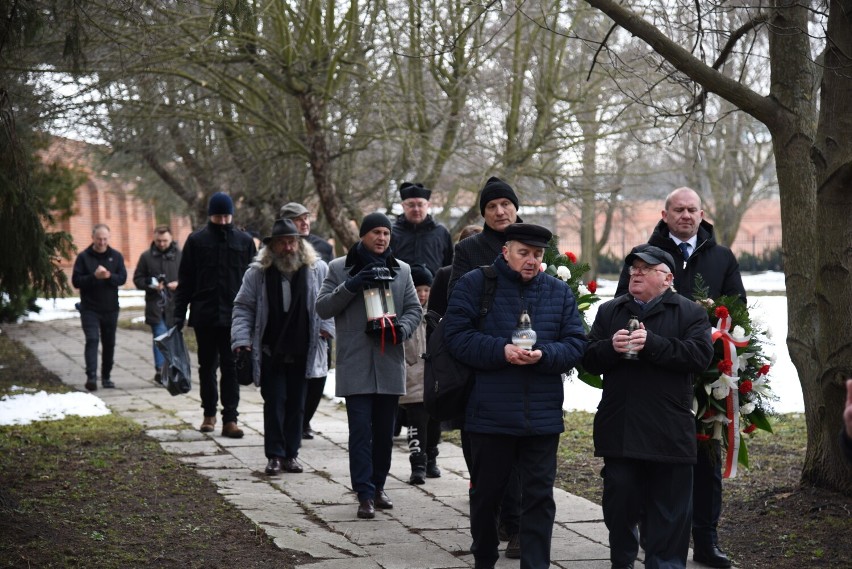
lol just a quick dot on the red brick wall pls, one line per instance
(106, 198)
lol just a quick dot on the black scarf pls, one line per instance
(287, 332)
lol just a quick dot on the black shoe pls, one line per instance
(92, 384)
(107, 384)
(292, 465)
(366, 510)
(502, 533)
(513, 550)
(382, 501)
(418, 476)
(273, 467)
(308, 433)
(432, 470)
(158, 378)
(712, 557)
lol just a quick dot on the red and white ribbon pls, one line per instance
(732, 407)
(386, 322)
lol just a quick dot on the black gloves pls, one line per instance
(356, 281)
(179, 324)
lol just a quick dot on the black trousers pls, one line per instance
(313, 395)
(707, 495)
(99, 326)
(494, 457)
(510, 505)
(214, 352)
(663, 493)
(282, 386)
(424, 432)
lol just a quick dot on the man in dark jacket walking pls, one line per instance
(98, 272)
(498, 205)
(157, 273)
(417, 238)
(209, 277)
(644, 426)
(683, 228)
(514, 414)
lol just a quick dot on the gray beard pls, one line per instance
(288, 264)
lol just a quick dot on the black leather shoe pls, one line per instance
(292, 465)
(382, 501)
(366, 510)
(712, 557)
(513, 549)
(107, 384)
(308, 433)
(92, 384)
(273, 467)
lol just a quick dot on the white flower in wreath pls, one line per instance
(722, 386)
(563, 273)
(738, 333)
(581, 288)
(747, 409)
(761, 386)
(742, 360)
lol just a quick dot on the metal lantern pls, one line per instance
(378, 300)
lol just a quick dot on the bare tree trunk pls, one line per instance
(318, 156)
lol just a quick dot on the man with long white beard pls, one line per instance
(274, 319)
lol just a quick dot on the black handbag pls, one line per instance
(245, 367)
(447, 382)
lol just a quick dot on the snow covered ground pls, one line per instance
(771, 310)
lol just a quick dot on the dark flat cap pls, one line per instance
(651, 255)
(529, 234)
(291, 210)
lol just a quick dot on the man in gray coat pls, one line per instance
(370, 359)
(274, 318)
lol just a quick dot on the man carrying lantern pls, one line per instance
(644, 426)
(371, 296)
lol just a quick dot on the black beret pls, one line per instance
(529, 234)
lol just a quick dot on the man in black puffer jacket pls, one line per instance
(683, 227)
(209, 277)
(513, 417)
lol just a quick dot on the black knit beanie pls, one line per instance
(220, 204)
(373, 220)
(496, 188)
(421, 275)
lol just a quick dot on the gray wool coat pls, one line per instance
(362, 367)
(249, 317)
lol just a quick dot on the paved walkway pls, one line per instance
(314, 511)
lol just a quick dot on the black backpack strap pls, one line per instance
(489, 289)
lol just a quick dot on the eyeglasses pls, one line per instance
(644, 271)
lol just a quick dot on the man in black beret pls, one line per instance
(417, 238)
(513, 417)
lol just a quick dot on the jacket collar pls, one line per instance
(427, 224)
